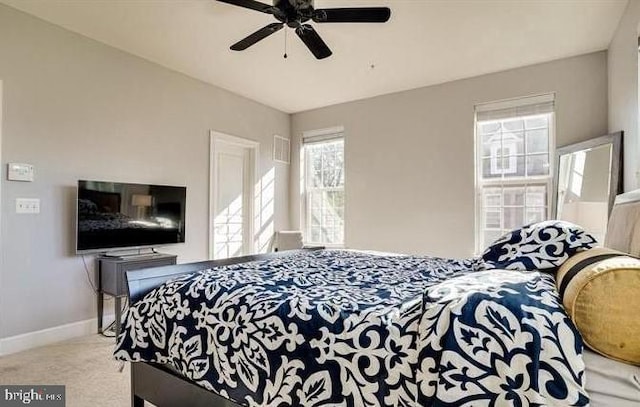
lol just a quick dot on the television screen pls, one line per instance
(113, 215)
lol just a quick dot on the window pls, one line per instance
(324, 189)
(514, 141)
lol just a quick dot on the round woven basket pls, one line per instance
(600, 289)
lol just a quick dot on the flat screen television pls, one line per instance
(117, 216)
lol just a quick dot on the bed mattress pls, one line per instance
(611, 383)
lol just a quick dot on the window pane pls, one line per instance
(513, 217)
(317, 179)
(513, 124)
(505, 144)
(492, 197)
(514, 196)
(537, 196)
(505, 166)
(493, 219)
(487, 142)
(339, 168)
(535, 214)
(536, 122)
(513, 166)
(538, 164)
(489, 127)
(513, 143)
(487, 171)
(537, 141)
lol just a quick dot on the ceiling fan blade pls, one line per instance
(352, 15)
(261, 34)
(251, 4)
(313, 41)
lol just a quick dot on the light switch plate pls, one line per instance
(20, 172)
(27, 206)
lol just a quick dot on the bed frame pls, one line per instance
(157, 383)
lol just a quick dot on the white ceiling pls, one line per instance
(426, 42)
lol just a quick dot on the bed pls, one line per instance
(348, 328)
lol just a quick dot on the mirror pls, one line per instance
(588, 177)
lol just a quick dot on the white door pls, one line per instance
(232, 180)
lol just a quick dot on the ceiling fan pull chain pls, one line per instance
(285, 43)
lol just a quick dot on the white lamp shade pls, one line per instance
(141, 200)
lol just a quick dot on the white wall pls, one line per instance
(410, 155)
(78, 109)
(622, 60)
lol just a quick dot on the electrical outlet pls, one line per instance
(28, 206)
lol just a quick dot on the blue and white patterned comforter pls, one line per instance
(344, 328)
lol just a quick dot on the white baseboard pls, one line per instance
(30, 340)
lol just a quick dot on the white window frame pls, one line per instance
(546, 180)
(313, 136)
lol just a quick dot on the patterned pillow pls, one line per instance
(538, 246)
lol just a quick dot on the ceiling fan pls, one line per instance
(296, 13)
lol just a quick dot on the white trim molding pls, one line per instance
(541, 98)
(48, 336)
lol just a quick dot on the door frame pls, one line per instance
(252, 176)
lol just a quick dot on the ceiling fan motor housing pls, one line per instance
(293, 12)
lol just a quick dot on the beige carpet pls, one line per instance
(84, 365)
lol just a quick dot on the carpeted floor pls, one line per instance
(84, 365)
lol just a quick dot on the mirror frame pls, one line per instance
(615, 182)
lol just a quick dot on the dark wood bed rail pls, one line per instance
(157, 384)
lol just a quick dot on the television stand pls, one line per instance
(112, 278)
